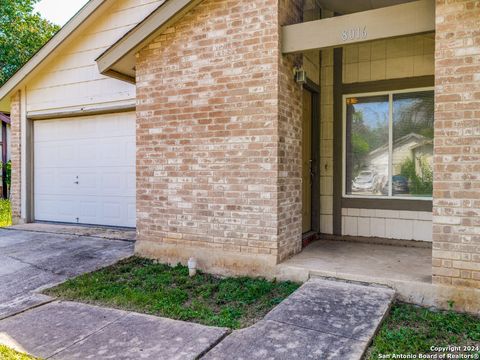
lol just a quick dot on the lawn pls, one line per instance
(142, 285)
(10, 354)
(412, 330)
(5, 213)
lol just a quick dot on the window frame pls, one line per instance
(390, 94)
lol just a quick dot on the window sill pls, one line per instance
(384, 203)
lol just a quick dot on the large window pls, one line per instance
(388, 144)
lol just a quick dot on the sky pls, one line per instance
(59, 11)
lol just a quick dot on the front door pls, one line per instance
(307, 162)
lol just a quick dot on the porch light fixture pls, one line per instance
(300, 75)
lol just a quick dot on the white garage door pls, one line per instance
(84, 170)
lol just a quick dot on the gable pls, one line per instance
(119, 60)
(68, 77)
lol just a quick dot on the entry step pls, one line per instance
(323, 319)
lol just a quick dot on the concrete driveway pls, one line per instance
(37, 256)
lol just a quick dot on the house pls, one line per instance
(223, 129)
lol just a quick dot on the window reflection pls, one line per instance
(367, 144)
(369, 162)
(412, 167)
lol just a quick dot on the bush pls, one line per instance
(418, 185)
(8, 172)
(5, 213)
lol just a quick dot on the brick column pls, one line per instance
(16, 155)
(456, 204)
(218, 139)
(290, 137)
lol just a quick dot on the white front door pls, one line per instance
(84, 169)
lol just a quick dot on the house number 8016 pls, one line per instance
(356, 33)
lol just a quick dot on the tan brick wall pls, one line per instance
(218, 172)
(290, 146)
(15, 146)
(456, 213)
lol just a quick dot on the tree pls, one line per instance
(22, 34)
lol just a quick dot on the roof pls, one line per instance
(37, 59)
(119, 60)
(413, 138)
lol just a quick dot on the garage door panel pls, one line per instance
(88, 165)
(107, 181)
(55, 181)
(108, 210)
(55, 208)
(115, 151)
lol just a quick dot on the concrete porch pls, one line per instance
(362, 261)
(405, 266)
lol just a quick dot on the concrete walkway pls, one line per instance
(322, 320)
(68, 330)
(31, 261)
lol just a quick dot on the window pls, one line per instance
(388, 144)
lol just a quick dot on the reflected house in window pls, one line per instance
(414, 148)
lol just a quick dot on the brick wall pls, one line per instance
(218, 175)
(289, 138)
(456, 213)
(15, 148)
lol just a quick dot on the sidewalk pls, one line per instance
(323, 319)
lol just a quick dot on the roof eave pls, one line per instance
(139, 37)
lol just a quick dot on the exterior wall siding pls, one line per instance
(397, 58)
(456, 205)
(389, 224)
(71, 78)
(326, 137)
(218, 164)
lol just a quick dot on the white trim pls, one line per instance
(23, 154)
(119, 106)
(16, 80)
(413, 17)
(390, 130)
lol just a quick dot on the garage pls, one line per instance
(84, 169)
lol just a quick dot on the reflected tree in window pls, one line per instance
(367, 144)
(413, 144)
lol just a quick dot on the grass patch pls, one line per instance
(142, 285)
(10, 354)
(5, 213)
(412, 330)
